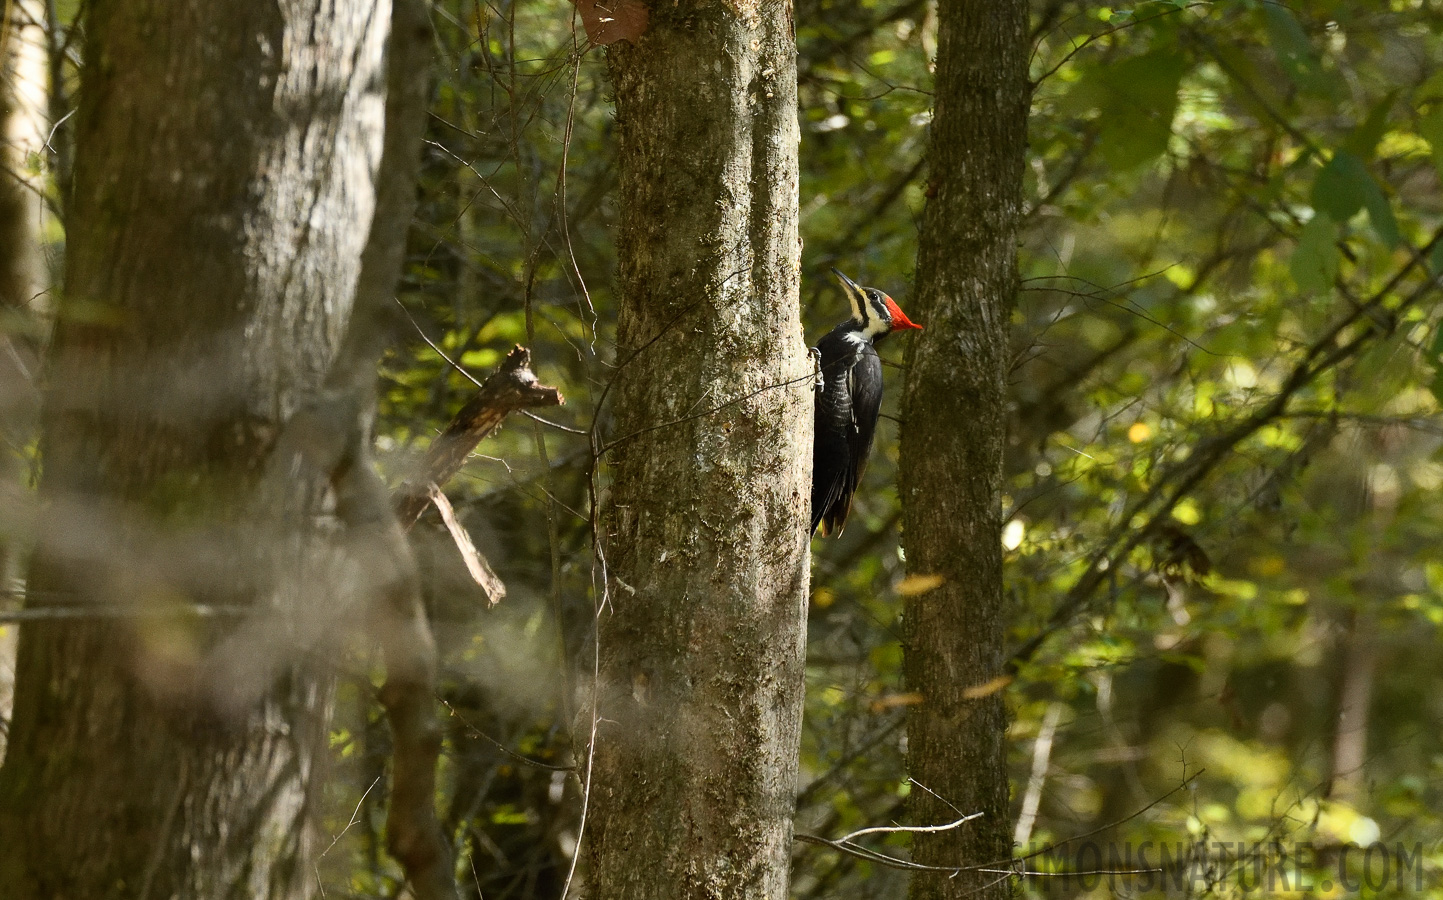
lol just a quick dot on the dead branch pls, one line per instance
(413, 831)
(513, 387)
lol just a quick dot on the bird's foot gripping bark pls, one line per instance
(819, 381)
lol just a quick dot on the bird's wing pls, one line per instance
(864, 385)
(831, 456)
(844, 429)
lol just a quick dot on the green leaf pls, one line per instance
(1315, 263)
(1342, 186)
(1431, 89)
(1435, 260)
(1345, 186)
(1295, 51)
(1380, 215)
(1430, 126)
(1435, 357)
(1364, 139)
(1137, 99)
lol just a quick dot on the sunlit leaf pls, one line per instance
(1364, 139)
(1430, 126)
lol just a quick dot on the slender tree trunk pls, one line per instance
(222, 197)
(23, 280)
(705, 534)
(1349, 777)
(23, 99)
(952, 443)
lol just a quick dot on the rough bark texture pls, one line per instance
(705, 533)
(222, 197)
(952, 442)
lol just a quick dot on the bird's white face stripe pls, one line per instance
(869, 311)
(879, 322)
(860, 304)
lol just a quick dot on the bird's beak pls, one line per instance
(849, 287)
(856, 297)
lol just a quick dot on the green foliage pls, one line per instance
(1315, 263)
(1135, 102)
(1192, 247)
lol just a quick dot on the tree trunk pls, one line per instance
(704, 537)
(222, 197)
(23, 281)
(952, 443)
(1349, 778)
(22, 143)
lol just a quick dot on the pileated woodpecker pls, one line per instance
(849, 397)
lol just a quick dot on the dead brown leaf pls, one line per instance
(609, 21)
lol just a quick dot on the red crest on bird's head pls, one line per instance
(899, 318)
(874, 313)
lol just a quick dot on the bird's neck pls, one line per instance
(872, 329)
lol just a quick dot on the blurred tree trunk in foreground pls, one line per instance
(222, 197)
(705, 534)
(953, 434)
(23, 280)
(23, 101)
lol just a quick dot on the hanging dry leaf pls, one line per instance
(888, 701)
(609, 21)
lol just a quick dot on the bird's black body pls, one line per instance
(846, 419)
(849, 399)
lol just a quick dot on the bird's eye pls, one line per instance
(879, 304)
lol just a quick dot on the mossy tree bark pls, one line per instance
(704, 537)
(952, 442)
(222, 197)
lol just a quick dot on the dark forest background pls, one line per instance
(1222, 520)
